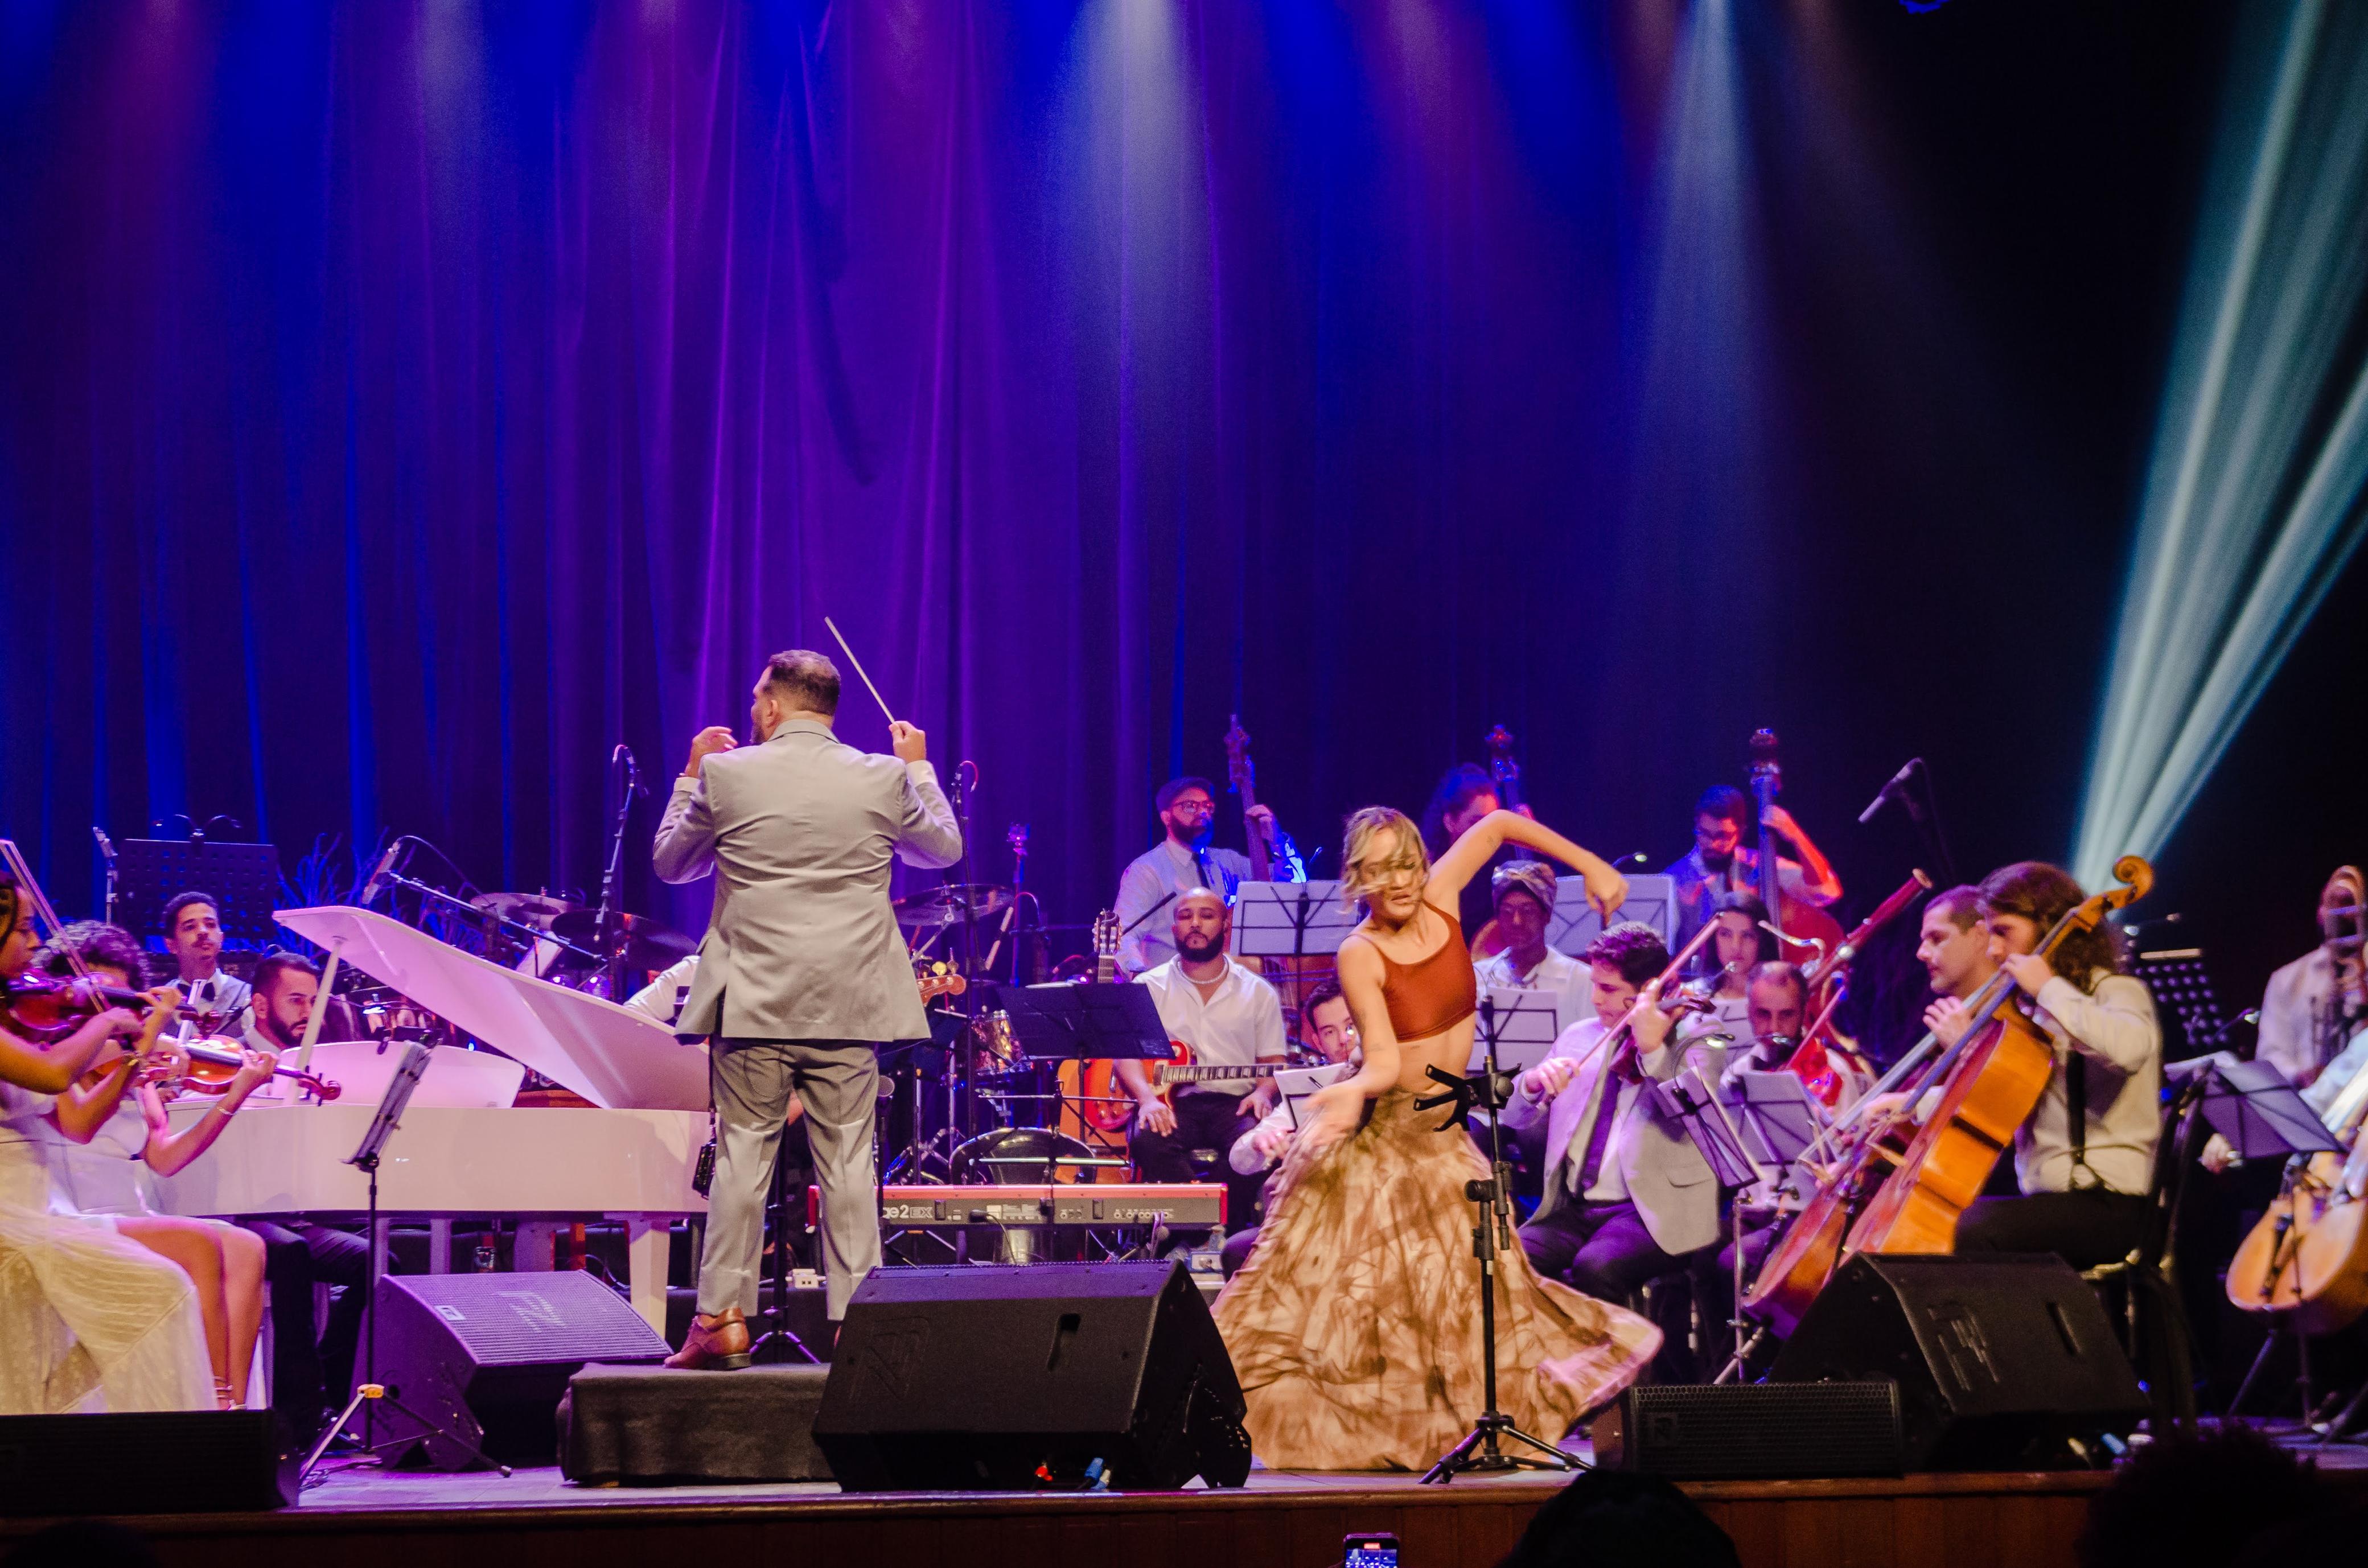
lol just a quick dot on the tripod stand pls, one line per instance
(369, 1391)
(1481, 1449)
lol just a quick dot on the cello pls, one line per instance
(1908, 1200)
(2306, 1262)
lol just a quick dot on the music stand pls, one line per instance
(382, 1125)
(1118, 1023)
(1527, 1023)
(1772, 1112)
(242, 879)
(2252, 1105)
(1573, 923)
(1290, 920)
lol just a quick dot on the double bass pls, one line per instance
(1798, 922)
(1908, 1200)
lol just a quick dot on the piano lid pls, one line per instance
(617, 1058)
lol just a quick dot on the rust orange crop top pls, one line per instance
(1433, 994)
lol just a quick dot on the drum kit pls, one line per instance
(577, 948)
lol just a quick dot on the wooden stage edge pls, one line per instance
(1280, 1521)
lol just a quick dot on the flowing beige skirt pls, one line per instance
(1355, 1324)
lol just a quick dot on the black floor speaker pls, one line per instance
(176, 1461)
(1021, 1377)
(2003, 1362)
(1753, 1431)
(488, 1356)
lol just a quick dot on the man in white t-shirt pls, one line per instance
(1230, 1019)
(1524, 895)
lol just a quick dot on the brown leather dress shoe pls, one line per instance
(718, 1344)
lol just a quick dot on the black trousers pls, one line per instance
(1203, 1121)
(313, 1363)
(1599, 1249)
(2085, 1228)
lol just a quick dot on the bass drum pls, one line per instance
(1020, 1156)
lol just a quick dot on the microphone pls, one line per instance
(106, 845)
(1898, 782)
(385, 864)
(633, 785)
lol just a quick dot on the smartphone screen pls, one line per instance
(1370, 1550)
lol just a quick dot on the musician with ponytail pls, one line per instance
(2084, 1159)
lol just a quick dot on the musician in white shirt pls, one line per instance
(1229, 1017)
(215, 998)
(1333, 1027)
(1524, 895)
(1182, 860)
(2084, 1159)
(2318, 1002)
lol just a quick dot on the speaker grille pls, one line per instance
(1750, 1431)
(517, 1320)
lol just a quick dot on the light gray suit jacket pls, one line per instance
(799, 833)
(1667, 1178)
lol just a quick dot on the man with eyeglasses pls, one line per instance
(1183, 859)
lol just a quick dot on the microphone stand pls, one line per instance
(1489, 1090)
(612, 970)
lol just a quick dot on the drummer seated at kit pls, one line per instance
(1230, 1017)
(1182, 860)
(1628, 1197)
(1524, 895)
(1333, 1029)
(211, 997)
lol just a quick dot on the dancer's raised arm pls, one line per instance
(1606, 889)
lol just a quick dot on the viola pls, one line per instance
(1907, 1200)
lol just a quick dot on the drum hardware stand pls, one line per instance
(370, 1393)
(1488, 1091)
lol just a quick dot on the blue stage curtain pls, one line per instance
(407, 403)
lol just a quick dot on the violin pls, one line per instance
(1908, 1200)
(46, 1011)
(213, 1063)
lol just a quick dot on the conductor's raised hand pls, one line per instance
(909, 744)
(706, 743)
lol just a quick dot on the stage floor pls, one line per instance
(355, 1515)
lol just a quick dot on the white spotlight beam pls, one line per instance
(2255, 498)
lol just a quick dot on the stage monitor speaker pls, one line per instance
(1753, 1431)
(2003, 1362)
(1014, 1379)
(171, 1461)
(488, 1356)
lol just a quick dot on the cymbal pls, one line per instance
(952, 905)
(647, 944)
(535, 909)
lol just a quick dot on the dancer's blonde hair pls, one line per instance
(1379, 846)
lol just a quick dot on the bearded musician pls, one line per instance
(2084, 1159)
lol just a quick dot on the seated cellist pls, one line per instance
(2084, 1159)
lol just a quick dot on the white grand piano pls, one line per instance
(462, 1148)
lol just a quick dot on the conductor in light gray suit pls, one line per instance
(803, 974)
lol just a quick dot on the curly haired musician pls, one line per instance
(802, 975)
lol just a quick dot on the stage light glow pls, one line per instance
(2257, 491)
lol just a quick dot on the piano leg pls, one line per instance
(440, 1246)
(531, 1248)
(646, 1240)
(380, 1241)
